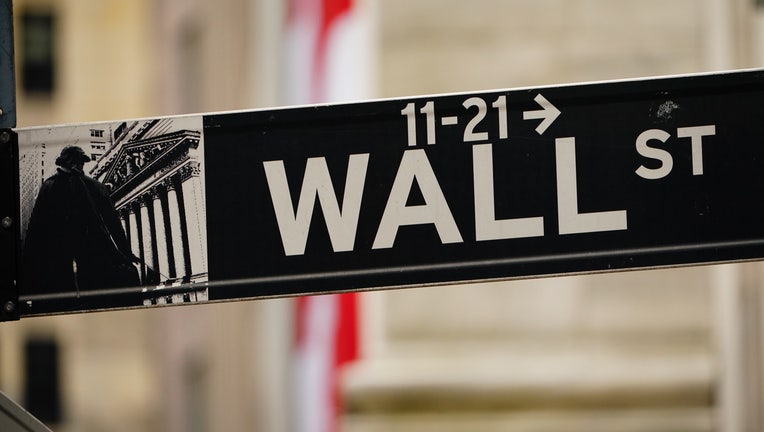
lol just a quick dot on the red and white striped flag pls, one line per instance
(328, 59)
(329, 51)
(327, 338)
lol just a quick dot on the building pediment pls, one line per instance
(134, 161)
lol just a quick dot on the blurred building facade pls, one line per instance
(642, 351)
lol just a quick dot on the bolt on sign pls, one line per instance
(390, 193)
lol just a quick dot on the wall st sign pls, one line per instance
(390, 193)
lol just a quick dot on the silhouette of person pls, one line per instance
(74, 240)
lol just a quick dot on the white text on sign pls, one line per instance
(342, 223)
(415, 168)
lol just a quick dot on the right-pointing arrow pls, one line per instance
(548, 113)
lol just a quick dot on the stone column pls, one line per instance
(180, 195)
(149, 198)
(174, 198)
(137, 237)
(167, 228)
(193, 194)
(160, 234)
(146, 235)
(124, 217)
(132, 230)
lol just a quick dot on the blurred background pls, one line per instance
(665, 350)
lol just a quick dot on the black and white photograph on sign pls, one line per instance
(114, 205)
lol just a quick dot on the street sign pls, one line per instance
(392, 193)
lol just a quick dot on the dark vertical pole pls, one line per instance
(10, 233)
(7, 74)
(10, 238)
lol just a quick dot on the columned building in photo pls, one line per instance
(155, 178)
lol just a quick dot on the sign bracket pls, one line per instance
(7, 74)
(9, 207)
(9, 232)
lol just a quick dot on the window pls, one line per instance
(191, 57)
(119, 130)
(196, 390)
(38, 51)
(42, 392)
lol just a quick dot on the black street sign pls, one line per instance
(392, 193)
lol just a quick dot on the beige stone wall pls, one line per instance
(437, 46)
(103, 70)
(670, 304)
